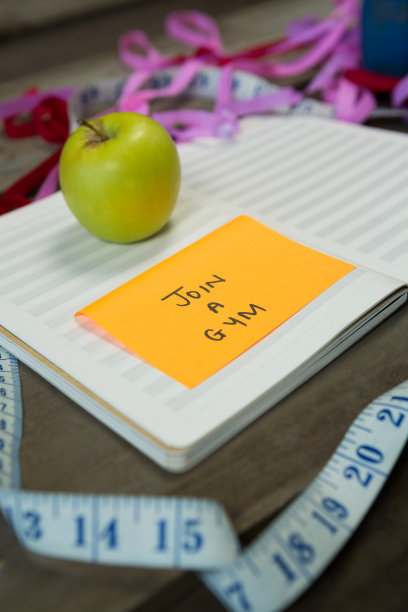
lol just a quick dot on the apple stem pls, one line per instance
(83, 122)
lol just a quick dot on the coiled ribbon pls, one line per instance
(332, 46)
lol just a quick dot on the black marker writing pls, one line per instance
(213, 306)
(192, 294)
(220, 334)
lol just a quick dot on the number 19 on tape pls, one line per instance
(196, 534)
(293, 551)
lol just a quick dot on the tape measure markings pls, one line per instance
(150, 535)
(317, 516)
(190, 533)
(10, 421)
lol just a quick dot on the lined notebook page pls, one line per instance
(50, 267)
(336, 186)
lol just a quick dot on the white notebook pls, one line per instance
(337, 188)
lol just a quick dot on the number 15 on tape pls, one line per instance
(160, 532)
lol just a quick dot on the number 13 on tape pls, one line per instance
(160, 532)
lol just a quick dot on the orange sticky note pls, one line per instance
(196, 311)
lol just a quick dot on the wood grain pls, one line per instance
(18, 17)
(256, 474)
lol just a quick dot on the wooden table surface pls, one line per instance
(256, 474)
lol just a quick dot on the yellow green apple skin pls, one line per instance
(121, 181)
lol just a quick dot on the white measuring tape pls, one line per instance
(196, 534)
(102, 95)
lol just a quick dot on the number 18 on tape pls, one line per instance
(289, 556)
(160, 532)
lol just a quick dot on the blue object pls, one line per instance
(385, 36)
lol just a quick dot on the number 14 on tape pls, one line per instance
(160, 532)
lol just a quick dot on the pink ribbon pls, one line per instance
(353, 103)
(332, 45)
(195, 30)
(26, 103)
(137, 40)
(49, 185)
(185, 125)
(29, 103)
(399, 94)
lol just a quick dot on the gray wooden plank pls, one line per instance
(261, 470)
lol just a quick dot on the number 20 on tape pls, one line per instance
(196, 534)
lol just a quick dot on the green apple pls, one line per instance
(120, 176)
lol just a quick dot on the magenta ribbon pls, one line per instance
(399, 94)
(329, 46)
(26, 104)
(188, 124)
(332, 45)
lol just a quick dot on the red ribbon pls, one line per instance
(253, 52)
(49, 120)
(377, 83)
